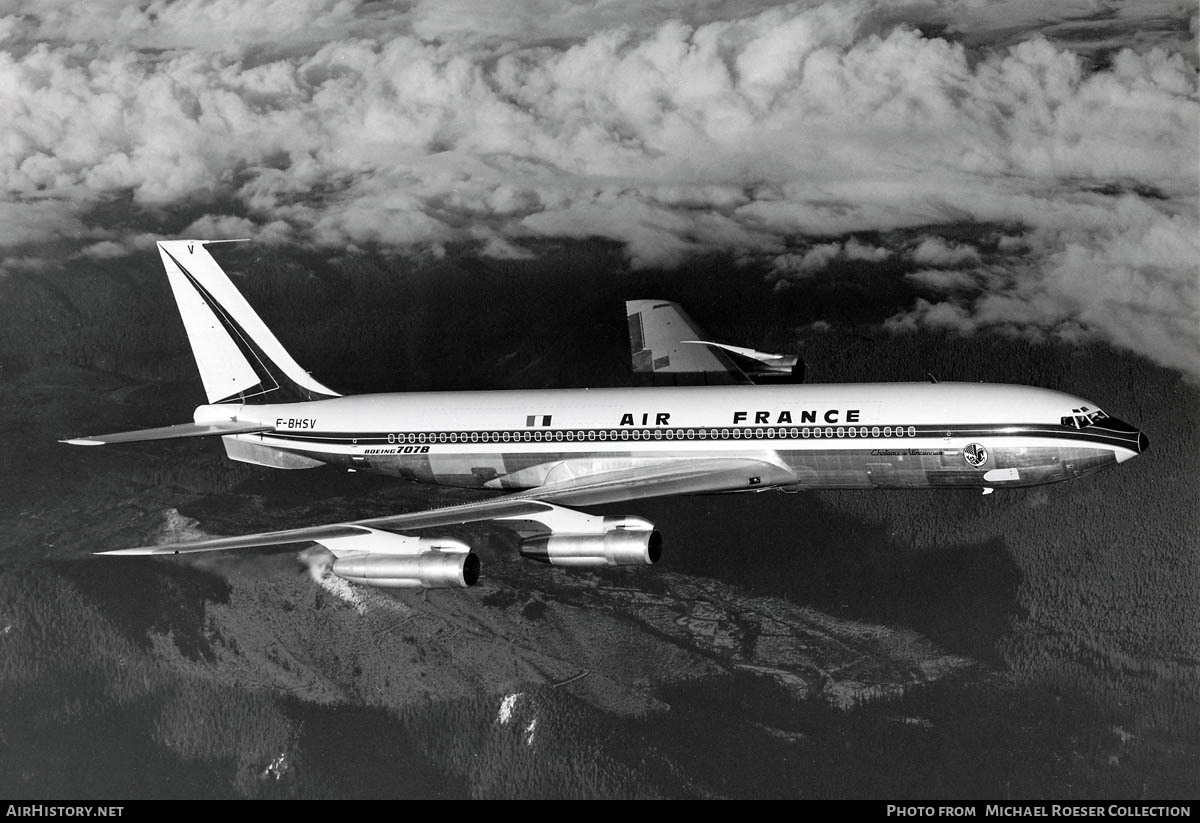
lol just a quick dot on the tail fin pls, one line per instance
(238, 356)
(666, 345)
(659, 333)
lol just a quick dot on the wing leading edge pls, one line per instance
(549, 532)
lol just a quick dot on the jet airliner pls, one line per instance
(549, 452)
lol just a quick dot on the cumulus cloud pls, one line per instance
(943, 280)
(501, 249)
(213, 25)
(104, 249)
(1136, 284)
(676, 129)
(792, 265)
(813, 260)
(935, 251)
(13, 265)
(853, 249)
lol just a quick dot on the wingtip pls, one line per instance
(82, 441)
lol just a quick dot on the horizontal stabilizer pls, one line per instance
(760, 365)
(170, 433)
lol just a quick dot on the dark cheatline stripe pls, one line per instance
(697, 434)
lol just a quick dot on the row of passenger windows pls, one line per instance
(538, 435)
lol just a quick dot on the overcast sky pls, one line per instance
(770, 131)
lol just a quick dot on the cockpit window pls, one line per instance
(1083, 417)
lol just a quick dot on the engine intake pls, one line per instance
(612, 548)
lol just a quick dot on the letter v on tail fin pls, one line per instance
(239, 358)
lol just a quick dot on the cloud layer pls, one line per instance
(675, 129)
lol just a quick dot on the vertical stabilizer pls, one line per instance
(663, 343)
(239, 358)
(666, 345)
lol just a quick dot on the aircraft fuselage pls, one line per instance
(831, 436)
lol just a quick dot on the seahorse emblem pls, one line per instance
(975, 454)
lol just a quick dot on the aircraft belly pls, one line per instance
(942, 466)
(1052, 464)
(869, 467)
(929, 463)
(470, 469)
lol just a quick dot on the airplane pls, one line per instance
(550, 451)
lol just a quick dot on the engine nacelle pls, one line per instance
(374, 557)
(617, 547)
(787, 368)
(429, 570)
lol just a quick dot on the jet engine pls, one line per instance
(397, 561)
(617, 547)
(431, 570)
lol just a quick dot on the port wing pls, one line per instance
(668, 477)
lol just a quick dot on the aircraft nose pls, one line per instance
(1133, 440)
